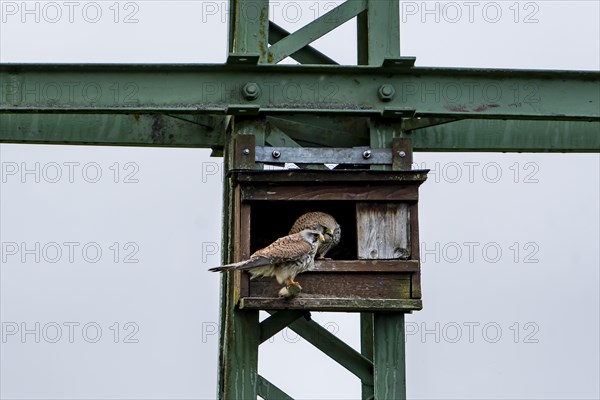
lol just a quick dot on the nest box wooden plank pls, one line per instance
(375, 267)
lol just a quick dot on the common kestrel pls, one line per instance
(284, 258)
(321, 222)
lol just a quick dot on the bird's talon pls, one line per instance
(290, 291)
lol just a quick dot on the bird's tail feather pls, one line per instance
(242, 265)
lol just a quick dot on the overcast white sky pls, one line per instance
(510, 242)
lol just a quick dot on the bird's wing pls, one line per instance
(287, 248)
(254, 261)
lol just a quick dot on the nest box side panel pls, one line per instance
(383, 231)
(415, 286)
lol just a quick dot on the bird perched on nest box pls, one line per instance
(321, 222)
(284, 259)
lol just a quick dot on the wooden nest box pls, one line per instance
(375, 267)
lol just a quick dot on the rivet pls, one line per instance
(276, 154)
(402, 154)
(367, 154)
(246, 152)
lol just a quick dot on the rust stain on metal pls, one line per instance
(484, 107)
(263, 49)
(264, 17)
(136, 117)
(235, 17)
(158, 132)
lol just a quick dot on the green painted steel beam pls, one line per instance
(389, 356)
(268, 391)
(239, 329)
(333, 347)
(239, 370)
(410, 124)
(277, 322)
(366, 349)
(315, 29)
(382, 31)
(114, 129)
(207, 131)
(321, 130)
(278, 138)
(509, 136)
(248, 28)
(306, 55)
(346, 90)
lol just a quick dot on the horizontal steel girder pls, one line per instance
(350, 90)
(206, 131)
(512, 136)
(114, 129)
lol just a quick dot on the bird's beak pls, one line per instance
(329, 231)
(321, 238)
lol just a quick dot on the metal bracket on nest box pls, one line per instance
(247, 154)
(244, 152)
(321, 155)
(402, 154)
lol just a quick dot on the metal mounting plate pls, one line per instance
(319, 155)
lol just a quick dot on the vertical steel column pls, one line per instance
(389, 357)
(382, 335)
(366, 349)
(385, 330)
(378, 32)
(249, 28)
(239, 330)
